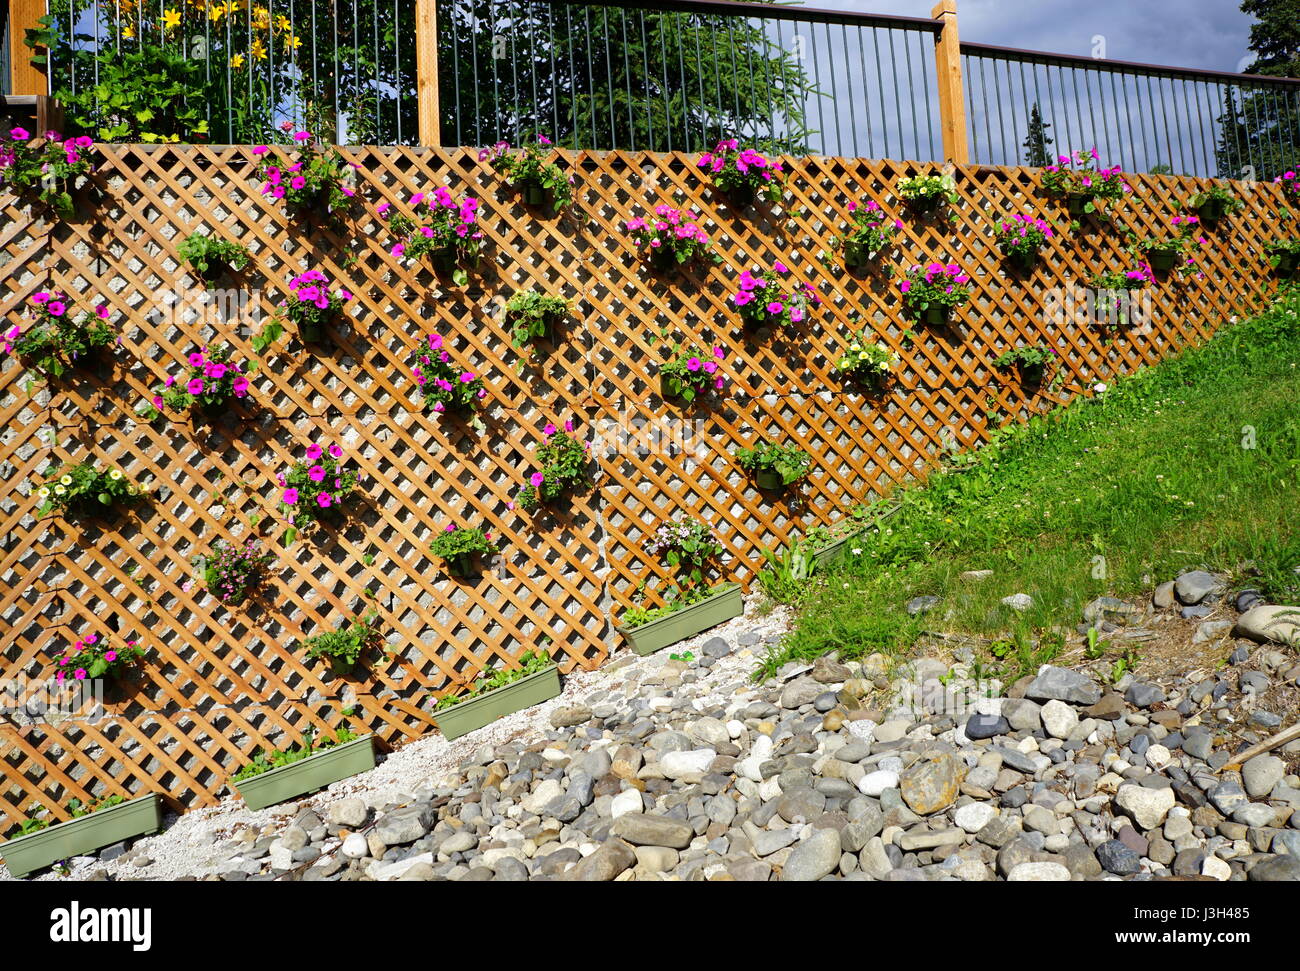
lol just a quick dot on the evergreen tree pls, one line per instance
(1037, 140)
(1259, 129)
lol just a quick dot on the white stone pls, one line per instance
(536, 801)
(355, 846)
(1214, 867)
(974, 816)
(688, 766)
(1158, 756)
(1146, 807)
(735, 728)
(874, 783)
(626, 802)
(1038, 872)
(1059, 719)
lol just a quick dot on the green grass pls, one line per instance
(1189, 464)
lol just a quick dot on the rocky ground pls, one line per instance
(661, 769)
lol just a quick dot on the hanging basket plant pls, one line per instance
(461, 547)
(58, 338)
(440, 228)
(347, 645)
(1289, 182)
(211, 257)
(1076, 179)
(233, 571)
(763, 301)
(1032, 361)
(209, 385)
(742, 174)
(533, 316)
(928, 193)
(312, 179)
(1175, 251)
(1212, 204)
(870, 233)
(868, 362)
(692, 372)
(316, 487)
(1109, 300)
(444, 385)
(1020, 238)
(687, 545)
(774, 466)
(312, 304)
(673, 239)
(85, 489)
(93, 657)
(46, 169)
(563, 462)
(931, 292)
(543, 183)
(1283, 255)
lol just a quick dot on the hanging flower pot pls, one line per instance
(444, 260)
(534, 193)
(1077, 202)
(311, 333)
(1287, 263)
(1211, 211)
(856, 256)
(769, 479)
(663, 259)
(1025, 260)
(1031, 375)
(936, 315)
(1162, 259)
(740, 196)
(464, 565)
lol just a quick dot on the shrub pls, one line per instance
(210, 381)
(563, 462)
(443, 385)
(212, 255)
(738, 171)
(531, 313)
(44, 167)
(790, 462)
(673, 239)
(316, 485)
(868, 361)
(870, 233)
(445, 230)
(1023, 235)
(935, 285)
(530, 663)
(529, 167)
(314, 180)
(84, 488)
(687, 544)
(344, 646)
(94, 657)
(231, 572)
(58, 339)
(692, 372)
(762, 301)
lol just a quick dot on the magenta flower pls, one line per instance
(537, 479)
(290, 497)
(324, 500)
(195, 386)
(336, 451)
(314, 451)
(316, 473)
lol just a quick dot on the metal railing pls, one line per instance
(1028, 107)
(670, 75)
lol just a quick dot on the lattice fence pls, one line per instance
(222, 681)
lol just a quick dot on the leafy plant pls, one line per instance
(692, 372)
(1023, 235)
(57, 339)
(529, 166)
(231, 572)
(1280, 249)
(94, 657)
(445, 229)
(1076, 175)
(869, 234)
(209, 382)
(345, 646)
(928, 190)
(530, 663)
(443, 385)
(673, 239)
(83, 488)
(563, 462)
(790, 462)
(212, 255)
(456, 541)
(315, 485)
(314, 180)
(1030, 358)
(1185, 238)
(686, 657)
(530, 314)
(1122, 279)
(687, 544)
(311, 301)
(45, 166)
(1216, 194)
(785, 577)
(677, 599)
(868, 361)
(763, 301)
(734, 168)
(266, 761)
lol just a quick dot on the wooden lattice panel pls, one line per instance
(222, 681)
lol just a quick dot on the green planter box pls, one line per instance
(78, 837)
(469, 715)
(724, 603)
(834, 551)
(331, 765)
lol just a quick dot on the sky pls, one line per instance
(1206, 34)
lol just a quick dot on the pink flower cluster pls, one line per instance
(760, 298)
(439, 379)
(450, 223)
(208, 375)
(746, 162)
(673, 227)
(313, 287)
(73, 148)
(1290, 183)
(47, 306)
(1022, 224)
(316, 470)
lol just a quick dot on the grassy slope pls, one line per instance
(1152, 476)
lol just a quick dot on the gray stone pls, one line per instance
(1192, 588)
(1261, 774)
(814, 858)
(1062, 684)
(1115, 857)
(1278, 869)
(403, 825)
(1270, 624)
(643, 829)
(613, 857)
(980, 726)
(350, 813)
(1142, 695)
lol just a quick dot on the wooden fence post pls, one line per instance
(952, 98)
(426, 69)
(27, 79)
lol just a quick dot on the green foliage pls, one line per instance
(1216, 193)
(677, 598)
(44, 167)
(789, 461)
(785, 577)
(344, 646)
(563, 460)
(1031, 357)
(266, 761)
(316, 486)
(209, 382)
(211, 255)
(58, 339)
(529, 166)
(530, 663)
(691, 372)
(928, 189)
(458, 540)
(1037, 140)
(78, 809)
(94, 657)
(311, 179)
(83, 488)
(530, 313)
(686, 544)
(231, 571)
(868, 360)
(869, 234)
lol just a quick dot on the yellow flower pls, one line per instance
(292, 43)
(258, 49)
(171, 19)
(282, 22)
(237, 61)
(128, 32)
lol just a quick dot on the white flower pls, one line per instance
(857, 551)
(66, 480)
(43, 492)
(59, 490)
(115, 474)
(1099, 387)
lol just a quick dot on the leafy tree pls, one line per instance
(1037, 140)
(1259, 128)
